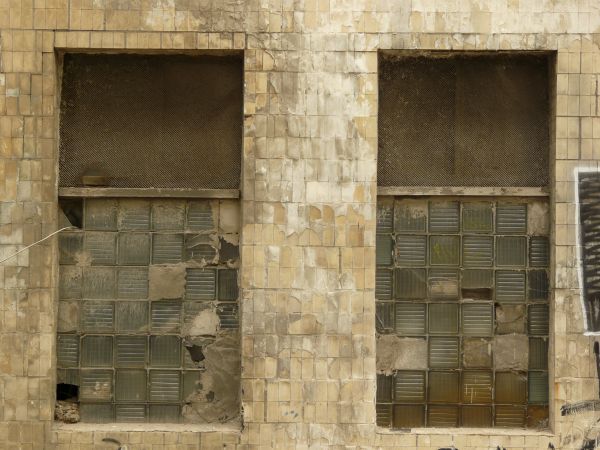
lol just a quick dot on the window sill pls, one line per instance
(231, 427)
(466, 431)
(482, 191)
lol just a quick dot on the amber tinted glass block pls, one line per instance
(409, 387)
(134, 249)
(411, 250)
(538, 353)
(384, 414)
(442, 416)
(476, 387)
(443, 387)
(478, 251)
(383, 250)
(165, 351)
(443, 284)
(444, 217)
(100, 214)
(476, 416)
(477, 217)
(511, 387)
(132, 316)
(444, 250)
(443, 352)
(410, 283)
(384, 388)
(511, 218)
(410, 216)
(537, 388)
(443, 318)
(537, 417)
(509, 416)
(130, 385)
(408, 416)
(410, 318)
(477, 319)
(97, 351)
(511, 251)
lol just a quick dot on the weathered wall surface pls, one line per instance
(309, 192)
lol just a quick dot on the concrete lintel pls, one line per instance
(147, 192)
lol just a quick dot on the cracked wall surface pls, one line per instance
(308, 208)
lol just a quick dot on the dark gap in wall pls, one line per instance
(66, 391)
(72, 212)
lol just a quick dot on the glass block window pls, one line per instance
(148, 304)
(462, 314)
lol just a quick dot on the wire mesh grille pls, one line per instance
(165, 121)
(460, 120)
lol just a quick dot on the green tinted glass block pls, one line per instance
(99, 282)
(410, 250)
(228, 316)
(443, 352)
(477, 278)
(70, 282)
(510, 387)
(134, 249)
(166, 316)
(384, 388)
(383, 250)
(538, 320)
(444, 217)
(442, 416)
(97, 351)
(409, 386)
(443, 387)
(385, 216)
(191, 383)
(168, 215)
(538, 285)
(134, 215)
(67, 350)
(70, 246)
(509, 416)
(383, 284)
(383, 414)
(410, 283)
(538, 387)
(384, 317)
(443, 318)
(130, 385)
(96, 385)
(100, 214)
(132, 317)
(476, 387)
(132, 282)
(511, 251)
(410, 318)
(165, 414)
(200, 216)
(410, 216)
(130, 351)
(200, 284)
(165, 386)
(228, 285)
(96, 412)
(511, 219)
(510, 286)
(443, 284)
(130, 413)
(444, 250)
(538, 417)
(477, 319)
(408, 416)
(538, 353)
(477, 217)
(476, 416)
(167, 248)
(101, 247)
(478, 251)
(539, 251)
(97, 316)
(165, 351)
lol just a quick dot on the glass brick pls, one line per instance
(510, 387)
(164, 413)
(538, 285)
(168, 215)
(537, 388)
(442, 416)
(511, 251)
(443, 318)
(410, 283)
(67, 350)
(384, 317)
(384, 388)
(443, 387)
(510, 286)
(228, 316)
(478, 251)
(410, 318)
(385, 216)
(443, 352)
(538, 417)
(165, 386)
(200, 284)
(70, 282)
(538, 320)
(131, 413)
(130, 385)
(409, 386)
(477, 387)
(132, 317)
(191, 383)
(96, 385)
(228, 285)
(383, 284)
(509, 416)
(97, 351)
(199, 248)
(408, 416)
(130, 351)
(476, 416)
(539, 251)
(99, 282)
(101, 247)
(167, 248)
(166, 316)
(538, 353)
(134, 249)
(383, 414)
(132, 282)
(100, 214)
(443, 284)
(97, 316)
(477, 319)
(96, 412)
(477, 278)
(444, 217)
(383, 250)
(410, 216)
(410, 250)
(511, 219)
(67, 376)
(70, 246)
(165, 351)
(444, 250)
(200, 216)
(477, 217)
(134, 215)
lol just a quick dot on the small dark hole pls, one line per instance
(477, 294)
(195, 353)
(67, 392)
(73, 210)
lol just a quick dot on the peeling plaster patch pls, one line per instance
(206, 323)
(538, 219)
(510, 319)
(511, 351)
(68, 316)
(166, 281)
(394, 353)
(229, 217)
(477, 352)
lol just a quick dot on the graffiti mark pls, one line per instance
(589, 444)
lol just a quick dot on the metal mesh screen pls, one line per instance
(462, 120)
(164, 121)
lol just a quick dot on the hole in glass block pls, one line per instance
(100, 214)
(67, 392)
(444, 250)
(443, 387)
(165, 351)
(200, 248)
(70, 212)
(228, 252)
(410, 251)
(134, 249)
